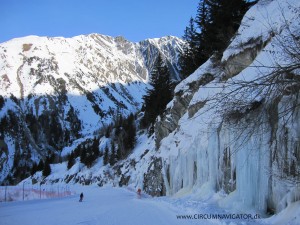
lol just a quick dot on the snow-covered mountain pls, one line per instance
(56, 90)
(231, 133)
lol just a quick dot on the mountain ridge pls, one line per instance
(80, 84)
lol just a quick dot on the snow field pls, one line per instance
(105, 206)
(122, 206)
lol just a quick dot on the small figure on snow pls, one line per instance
(139, 193)
(81, 197)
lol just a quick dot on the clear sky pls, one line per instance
(136, 20)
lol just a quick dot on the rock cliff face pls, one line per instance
(233, 125)
(55, 91)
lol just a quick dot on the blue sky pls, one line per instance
(136, 20)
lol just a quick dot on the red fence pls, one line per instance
(28, 192)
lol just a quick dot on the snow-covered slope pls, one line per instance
(117, 206)
(56, 90)
(99, 206)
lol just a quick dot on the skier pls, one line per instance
(81, 197)
(139, 193)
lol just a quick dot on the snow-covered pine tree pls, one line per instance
(159, 95)
(210, 32)
(188, 58)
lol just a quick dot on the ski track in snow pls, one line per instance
(107, 206)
